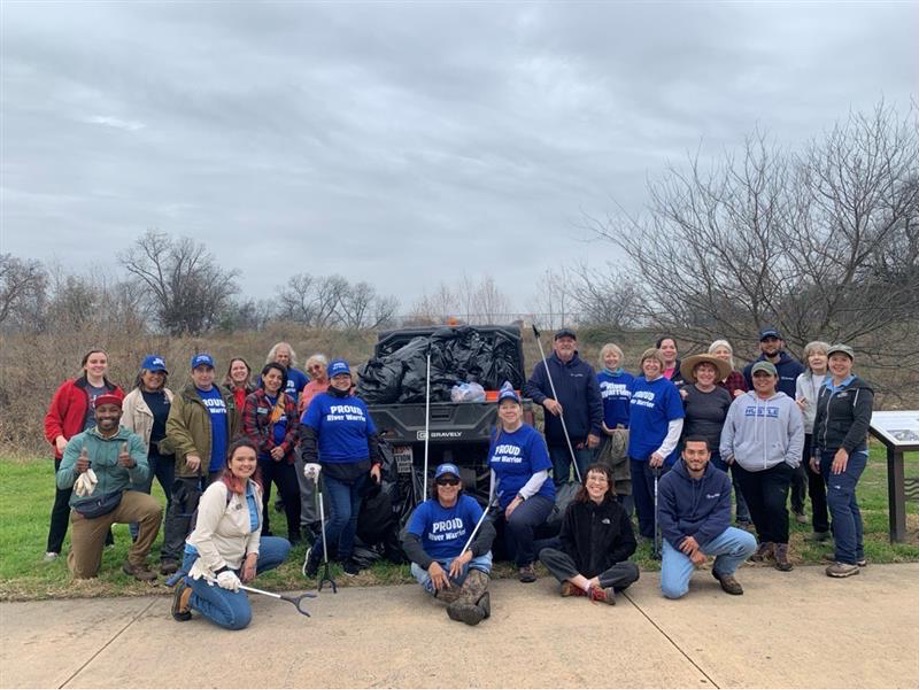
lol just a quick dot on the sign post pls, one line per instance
(900, 432)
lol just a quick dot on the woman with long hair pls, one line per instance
(71, 412)
(239, 382)
(225, 549)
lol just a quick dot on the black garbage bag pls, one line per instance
(378, 522)
(379, 381)
(565, 494)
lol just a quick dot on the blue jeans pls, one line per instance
(846, 520)
(731, 549)
(344, 506)
(483, 563)
(163, 467)
(643, 487)
(562, 462)
(231, 610)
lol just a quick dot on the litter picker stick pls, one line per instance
(427, 414)
(297, 601)
(326, 576)
(476, 529)
(552, 388)
(656, 546)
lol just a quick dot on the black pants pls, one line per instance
(284, 476)
(60, 517)
(766, 493)
(817, 492)
(798, 488)
(185, 495)
(562, 566)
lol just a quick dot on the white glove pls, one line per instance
(311, 470)
(86, 483)
(229, 580)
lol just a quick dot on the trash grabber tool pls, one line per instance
(656, 544)
(297, 601)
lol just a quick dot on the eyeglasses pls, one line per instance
(447, 481)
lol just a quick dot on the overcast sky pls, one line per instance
(404, 144)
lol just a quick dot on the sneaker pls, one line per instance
(526, 573)
(603, 595)
(781, 552)
(168, 567)
(51, 556)
(181, 610)
(310, 565)
(139, 572)
(764, 551)
(838, 569)
(831, 558)
(570, 590)
(729, 584)
(801, 518)
(818, 537)
(350, 567)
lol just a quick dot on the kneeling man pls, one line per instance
(694, 511)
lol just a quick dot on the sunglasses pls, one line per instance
(447, 481)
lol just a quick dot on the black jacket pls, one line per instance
(842, 419)
(596, 536)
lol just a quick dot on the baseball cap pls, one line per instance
(202, 359)
(336, 367)
(154, 363)
(565, 333)
(840, 348)
(763, 366)
(507, 392)
(447, 468)
(770, 332)
(107, 399)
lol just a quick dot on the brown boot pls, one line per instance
(781, 553)
(473, 604)
(763, 552)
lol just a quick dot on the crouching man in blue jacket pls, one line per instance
(694, 511)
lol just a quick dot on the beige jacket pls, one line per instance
(136, 414)
(222, 534)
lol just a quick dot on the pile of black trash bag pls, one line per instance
(458, 354)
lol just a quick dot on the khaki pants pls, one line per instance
(87, 536)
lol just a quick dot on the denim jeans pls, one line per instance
(519, 530)
(228, 609)
(846, 520)
(562, 462)
(483, 563)
(731, 549)
(342, 523)
(643, 486)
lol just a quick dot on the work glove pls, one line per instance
(311, 471)
(86, 483)
(229, 580)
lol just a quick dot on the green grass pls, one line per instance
(27, 492)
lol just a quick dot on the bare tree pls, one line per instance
(187, 287)
(609, 298)
(808, 242)
(22, 284)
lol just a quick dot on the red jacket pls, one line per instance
(67, 411)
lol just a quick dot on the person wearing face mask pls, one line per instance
(337, 433)
(595, 542)
(201, 424)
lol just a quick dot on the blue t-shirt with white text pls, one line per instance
(515, 457)
(342, 427)
(616, 394)
(217, 408)
(652, 405)
(444, 531)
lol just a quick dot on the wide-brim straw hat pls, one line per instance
(688, 365)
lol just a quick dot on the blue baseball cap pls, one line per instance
(447, 468)
(507, 392)
(202, 359)
(336, 367)
(770, 332)
(154, 363)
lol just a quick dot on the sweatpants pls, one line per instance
(562, 566)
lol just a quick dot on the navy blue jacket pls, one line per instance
(578, 393)
(787, 368)
(699, 508)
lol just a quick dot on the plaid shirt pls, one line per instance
(734, 382)
(259, 427)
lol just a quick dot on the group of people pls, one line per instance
(661, 443)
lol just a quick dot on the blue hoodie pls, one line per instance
(787, 368)
(699, 508)
(579, 395)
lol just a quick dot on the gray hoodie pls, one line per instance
(760, 434)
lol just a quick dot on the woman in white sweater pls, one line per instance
(807, 390)
(225, 549)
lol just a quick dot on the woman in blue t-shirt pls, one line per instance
(520, 467)
(338, 433)
(615, 382)
(656, 419)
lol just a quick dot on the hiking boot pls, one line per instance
(818, 537)
(744, 524)
(781, 552)
(139, 572)
(839, 569)
(471, 614)
(801, 518)
(168, 567)
(832, 558)
(570, 590)
(485, 603)
(350, 567)
(311, 562)
(763, 552)
(729, 584)
(603, 595)
(526, 573)
(181, 609)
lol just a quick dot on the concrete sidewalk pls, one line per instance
(798, 629)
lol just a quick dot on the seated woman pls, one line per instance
(225, 548)
(434, 540)
(595, 542)
(520, 467)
